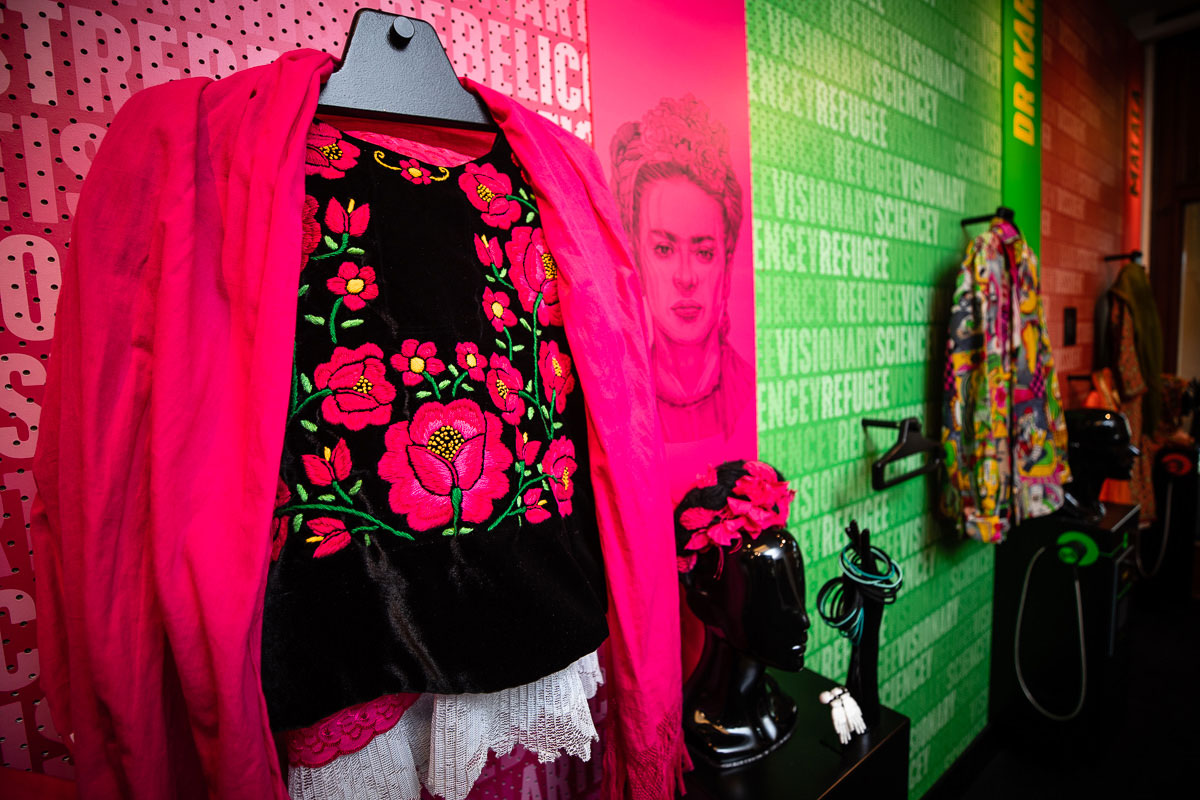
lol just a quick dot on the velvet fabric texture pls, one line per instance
(439, 532)
(164, 417)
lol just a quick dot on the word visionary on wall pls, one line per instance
(67, 69)
(875, 126)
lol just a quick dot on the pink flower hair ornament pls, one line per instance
(726, 506)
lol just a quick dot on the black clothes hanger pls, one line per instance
(1003, 212)
(909, 442)
(394, 67)
(1133, 255)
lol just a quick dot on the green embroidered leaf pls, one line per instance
(527, 471)
(504, 272)
(297, 521)
(468, 387)
(465, 530)
(303, 291)
(529, 217)
(355, 251)
(557, 425)
(489, 279)
(453, 369)
(355, 488)
(308, 425)
(518, 348)
(302, 493)
(326, 498)
(330, 243)
(367, 539)
(523, 193)
(443, 384)
(545, 411)
(529, 386)
(314, 319)
(306, 383)
(424, 393)
(500, 343)
(525, 324)
(448, 532)
(529, 412)
(352, 323)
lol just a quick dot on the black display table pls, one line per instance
(812, 763)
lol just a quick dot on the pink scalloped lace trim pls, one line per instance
(347, 731)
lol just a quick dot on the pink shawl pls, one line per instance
(164, 418)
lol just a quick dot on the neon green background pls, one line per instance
(878, 120)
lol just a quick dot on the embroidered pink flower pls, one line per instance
(412, 171)
(557, 379)
(331, 533)
(310, 229)
(534, 511)
(349, 220)
(447, 460)
(534, 272)
(503, 384)
(469, 359)
(280, 525)
(355, 284)
(495, 305)
(488, 191)
(526, 450)
(489, 251)
(328, 154)
(559, 466)
(332, 465)
(359, 395)
(416, 360)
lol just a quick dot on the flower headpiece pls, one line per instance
(760, 500)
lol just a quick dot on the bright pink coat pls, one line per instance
(163, 425)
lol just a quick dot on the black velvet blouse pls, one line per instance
(435, 525)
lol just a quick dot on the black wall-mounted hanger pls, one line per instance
(395, 67)
(909, 442)
(1133, 255)
(1003, 212)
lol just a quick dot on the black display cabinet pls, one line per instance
(813, 763)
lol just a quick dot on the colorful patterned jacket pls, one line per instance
(1003, 425)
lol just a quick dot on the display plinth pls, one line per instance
(812, 763)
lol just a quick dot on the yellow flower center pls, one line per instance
(446, 442)
(416, 364)
(557, 367)
(331, 151)
(472, 362)
(363, 385)
(497, 309)
(549, 266)
(328, 454)
(415, 172)
(501, 389)
(485, 194)
(355, 285)
(566, 478)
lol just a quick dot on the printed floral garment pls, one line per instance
(1003, 425)
(435, 525)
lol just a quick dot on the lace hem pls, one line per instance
(442, 741)
(347, 731)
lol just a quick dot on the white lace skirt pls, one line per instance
(442, 740)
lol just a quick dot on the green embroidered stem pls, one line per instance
(281, 512)
(295, 385)
(495, 269)
(333, 313)
(537, 304)
(507, 335)
(308, 400)
(341, 249)
(436, 391)
(508, 512)
(457, 381)
(522, 201)
(456, 502)
(538, 408)
(341, 493)
(553, 400)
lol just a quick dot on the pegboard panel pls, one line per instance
(65, 69)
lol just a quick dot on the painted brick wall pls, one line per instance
(1084, 76)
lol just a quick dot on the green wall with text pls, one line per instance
(875, 127)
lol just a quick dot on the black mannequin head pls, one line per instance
(744, 579)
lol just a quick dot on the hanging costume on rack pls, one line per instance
(165, 415)
(1002, 420)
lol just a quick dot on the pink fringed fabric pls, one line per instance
(163, 422)
(347, 731)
